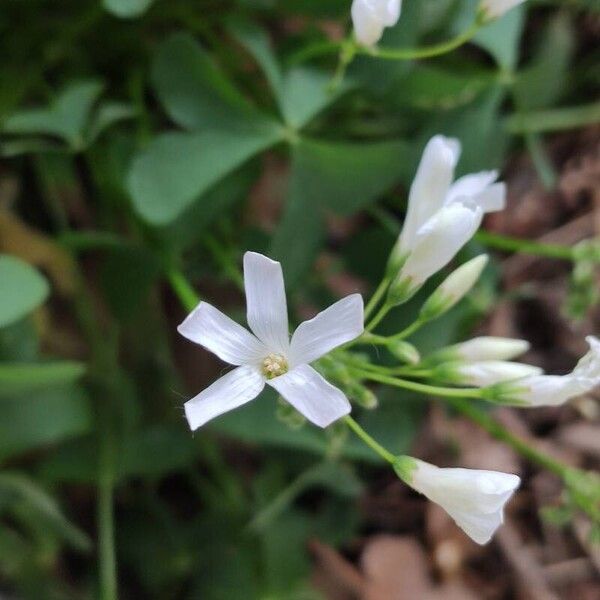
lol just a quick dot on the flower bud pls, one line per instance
(371, 17)
(362, 395)
(483, 373)
(474, 498)
(493, 9)
(404, 352)
(453, 288)
(480, 349)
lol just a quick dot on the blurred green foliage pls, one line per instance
(134, 133)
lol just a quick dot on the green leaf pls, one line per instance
(43, 417)
(343, 177)
(346, 177)
(193, 90)
(177, 168)
(65, 118)
(501, 38)
(558, 119)
(106, 116)
(256, 41)
(545, 79)
(18, 378)
(23, 289)
(127, 8)
(305, 93)
(25, 491)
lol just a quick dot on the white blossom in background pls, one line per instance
(442, 216)
(371, 17)
(493, 9)
(490, 372)
(267, 355)
(474, 498)
(553, 390)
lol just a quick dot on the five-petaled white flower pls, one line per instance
(269, 356)
(442, 216)
(474, 498)
(553, 390)
(371, 17)
(493, 9)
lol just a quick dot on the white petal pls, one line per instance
(430, 186)
(440, 239)
(338, 324)
(552, 390)
(388, 11)
(589, 365)
(496, 8)
(473, 498)
(470, 185)
(319, 401)
(230, 391)
(368, 27)
(265, 301)
(214, 330)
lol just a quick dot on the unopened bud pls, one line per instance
(483, 373)
(404, 352)
(453, 288)
(494, 9)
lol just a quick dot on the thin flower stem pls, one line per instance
(106, 520)
(376, 297)
(417, 324)
(489, 424)
(184, 291)
(425, 52)
(424, 388)
(503, 242)
(383, 311)
(224, 259)
(369, 441)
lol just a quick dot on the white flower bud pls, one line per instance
(474, 498)
(454, 288)
(490, 348)
(553, 390)
(493, 9)
(371, 17)
(487, 372)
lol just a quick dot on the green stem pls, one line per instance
(376, 297)
(106, 521)
(489, 424)
(503, 242)
(383, 311)
(425, 52)
(417, 324)
(225, 262)
(424, 388)
(184, 291)
(369, 441)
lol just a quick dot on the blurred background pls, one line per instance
(141, 140)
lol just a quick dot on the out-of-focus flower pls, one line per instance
(493, 9)
(484, 373)
(269, 356)
(454, 288)
(442, 216)
(371, 17)
(553, 390)
(474, 498)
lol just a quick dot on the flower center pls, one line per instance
(274, 365)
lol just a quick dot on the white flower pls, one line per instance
(269, 356)
(553, 390)
(489, 372)
(370, 17)
(474, 498)
(493, 9)
(457, 285)
(489, 348)
(442, 216)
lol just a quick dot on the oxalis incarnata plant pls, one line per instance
(320, 369)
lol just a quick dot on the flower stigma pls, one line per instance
(274, 365)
